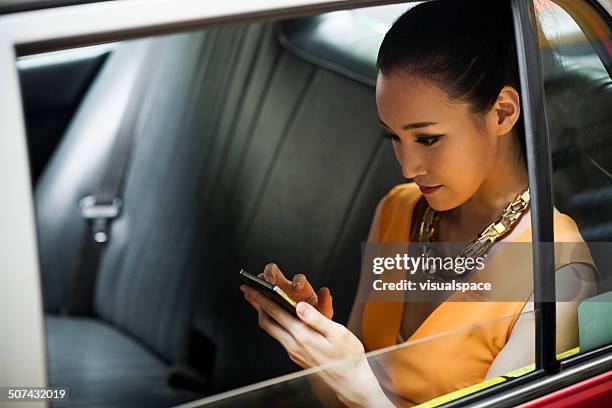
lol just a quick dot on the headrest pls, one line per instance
(345, 42)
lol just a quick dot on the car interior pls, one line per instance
(254, 143)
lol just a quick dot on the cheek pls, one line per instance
(464, 173)
(398, 152)
(461, 168)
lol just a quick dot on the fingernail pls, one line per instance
(303, 308)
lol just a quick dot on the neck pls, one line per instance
(507, 179)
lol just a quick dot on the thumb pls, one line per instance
(313, 318)
(325, 305)
(304, 289)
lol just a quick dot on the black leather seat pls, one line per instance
(580, 126)
(144, 291)
(246, 154)
(297, 167)
(105, 367)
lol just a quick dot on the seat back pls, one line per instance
(296, 170)
(578, 96)
(245, 154)
(580, 126)
(145, 277)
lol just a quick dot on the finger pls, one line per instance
(302, 333)
(274, 275)
(275, 330)
(268, 324)
(304, 288)
(280, 315)
(284, 338)
(253, 303)
(313, 318)
(325, 304)
(293, 338)
(268, 279)
(266, 275)
(298, 361)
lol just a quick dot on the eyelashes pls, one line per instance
(428, 140)
(391, 136)
(425, 140)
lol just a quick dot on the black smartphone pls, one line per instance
(272, 291)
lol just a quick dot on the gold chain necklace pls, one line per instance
(478, 248)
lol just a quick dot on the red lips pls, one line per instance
(428, 189)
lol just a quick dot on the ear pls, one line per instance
(506, 110)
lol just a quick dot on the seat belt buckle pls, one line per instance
(100, 216)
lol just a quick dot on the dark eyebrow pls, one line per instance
(408, 126)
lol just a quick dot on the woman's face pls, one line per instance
(447, 150)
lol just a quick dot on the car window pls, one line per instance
(307, 388)
(260, 142)
(576, 51)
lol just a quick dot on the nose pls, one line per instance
(411, 163)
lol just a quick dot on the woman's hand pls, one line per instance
(315, 340)
(299, 289)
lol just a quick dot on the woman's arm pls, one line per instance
(313, 340)
(323, 391)
(574, 283)
(368, 382)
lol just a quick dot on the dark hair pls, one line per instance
(466, 48)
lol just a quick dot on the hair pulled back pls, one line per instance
(466, 48)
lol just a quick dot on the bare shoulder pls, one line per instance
(575, 282)
(565, 228)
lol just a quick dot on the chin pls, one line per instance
(441, 203)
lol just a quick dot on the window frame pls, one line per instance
(96, 22)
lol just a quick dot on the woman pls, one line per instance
(447, 97)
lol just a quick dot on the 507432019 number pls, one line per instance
(32, 393)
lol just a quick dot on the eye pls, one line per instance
(427, 140)
(393, 137)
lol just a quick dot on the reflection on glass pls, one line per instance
(576, 49)
(421, 364)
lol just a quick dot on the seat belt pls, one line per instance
(101, 208)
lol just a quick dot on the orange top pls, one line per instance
(442, 364)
